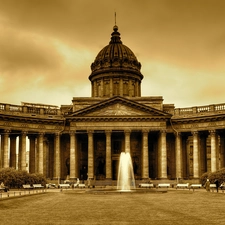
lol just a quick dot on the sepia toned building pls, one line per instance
(85, 139)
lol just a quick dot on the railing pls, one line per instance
(55, 111)
(200, 109)
(30, 109)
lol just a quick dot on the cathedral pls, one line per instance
(84, 140)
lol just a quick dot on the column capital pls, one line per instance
(127, 131)
(163, 131)
(108, 131)
(90, 131)
(194, 132)
(212, 132)
(145, 130)
(58, 134)
(72, 132)
(7, 131)
(177, 134)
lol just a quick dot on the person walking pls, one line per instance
(217, 185)
(207, 185)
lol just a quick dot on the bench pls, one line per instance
(27, 186)
(3, 189)
(163, 185)
(195, 186)
(222, 187)
(182, 186)
(64, 186)
(38, 186)
(146, 185)
(81, 185)
(212, 186)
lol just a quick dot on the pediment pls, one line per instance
(119, 107)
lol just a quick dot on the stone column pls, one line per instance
(90, 155)
(195, 155)
(145, 162)
(6, 149)
(101, 88)
(19, 152)
(23, 150)
(41, 153)
(222, 151)
(1, 152)
(57, 158)
(108, 155)
(94, 89)
(179, 166)
(127, 141)
(202, 154)
(121, 86)
(130, 88)
(162, 156)
(213, 151)
(111, 87)
(73, 156)
(12, 162)
(137, 88)
(31, 154)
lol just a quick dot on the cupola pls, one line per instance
(116, 70)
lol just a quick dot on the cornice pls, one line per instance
(116, 119)
(196, 119)
(32, 120)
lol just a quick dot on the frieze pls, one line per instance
(58, 128)
(205, 126)
(8, 124)
(41, 126)
(24, 125)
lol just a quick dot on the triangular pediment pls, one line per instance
(119, 107)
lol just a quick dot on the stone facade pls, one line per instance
(85, 140)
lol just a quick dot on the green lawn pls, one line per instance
(71, 207)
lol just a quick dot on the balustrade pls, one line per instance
(200, 109)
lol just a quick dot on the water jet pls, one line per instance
(125, 180)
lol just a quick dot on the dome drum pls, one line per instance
(112, 86)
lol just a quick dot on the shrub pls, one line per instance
(204, 177)
(217, 175)
(16, 178)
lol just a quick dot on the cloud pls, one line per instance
(47, 47)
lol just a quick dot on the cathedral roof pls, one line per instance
(115, 57)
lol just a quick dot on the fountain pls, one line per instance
(125, 181)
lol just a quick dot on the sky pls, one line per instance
(47, 47)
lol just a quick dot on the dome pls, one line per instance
(116, 70)
(115, 57)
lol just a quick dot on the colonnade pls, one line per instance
(37, 149)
